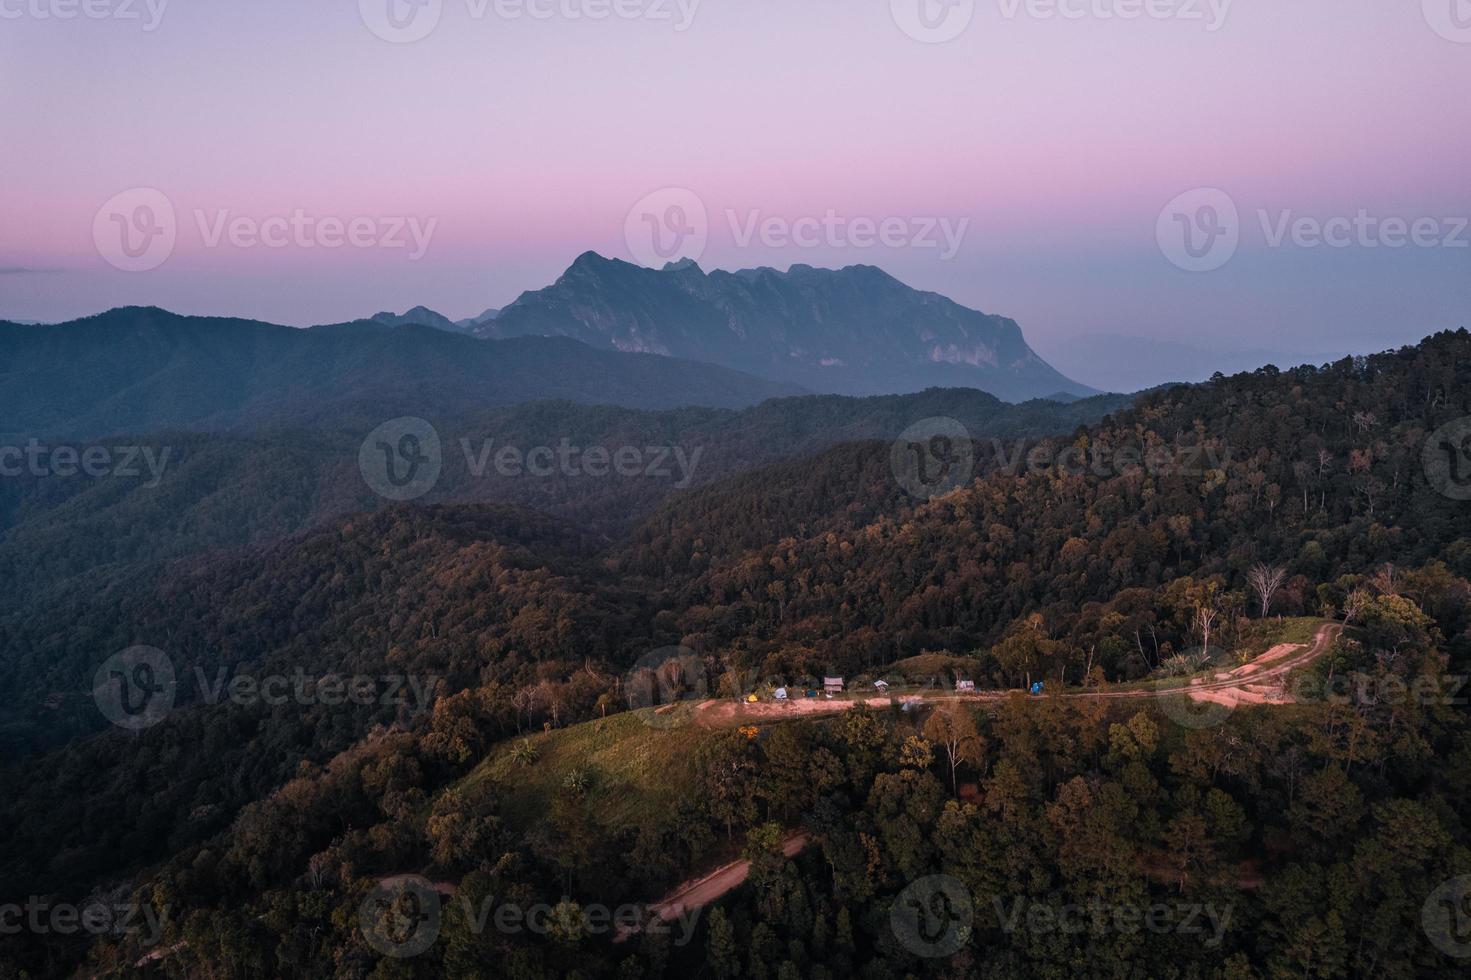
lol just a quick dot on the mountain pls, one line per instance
(215, 492)
(856, 331)
(476, 321)
(144, 369)
(420, 315)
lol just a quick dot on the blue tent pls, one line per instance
(1037, 687)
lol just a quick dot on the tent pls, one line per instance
(780, 694)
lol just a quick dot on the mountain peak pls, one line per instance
(855, 331)
(591, 260)
(420, 316)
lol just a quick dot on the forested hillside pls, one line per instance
(1314, 833)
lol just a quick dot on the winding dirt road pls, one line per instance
(1262, 681)
(711, 887)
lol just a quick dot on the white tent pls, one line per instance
(780, 694)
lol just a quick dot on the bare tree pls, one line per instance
(1354, 603)
(1386, 580)
(1265, 580)
(954, 729)
(1205, 619)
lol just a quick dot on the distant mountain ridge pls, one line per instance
(855, 331)
(425, 317)
(142, 369)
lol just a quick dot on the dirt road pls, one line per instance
(1262, 681)
(713, 886)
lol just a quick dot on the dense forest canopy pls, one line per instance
(1200, 523)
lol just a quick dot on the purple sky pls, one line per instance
(523, 141)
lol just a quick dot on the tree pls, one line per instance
(720, 947)
(1354, 604)
(1265, 581)
(953, 728)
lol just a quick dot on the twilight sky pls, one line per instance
(1054, 136)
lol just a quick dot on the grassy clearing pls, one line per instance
(1293, 629)
(638, 763)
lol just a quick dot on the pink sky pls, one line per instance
(527, 141)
